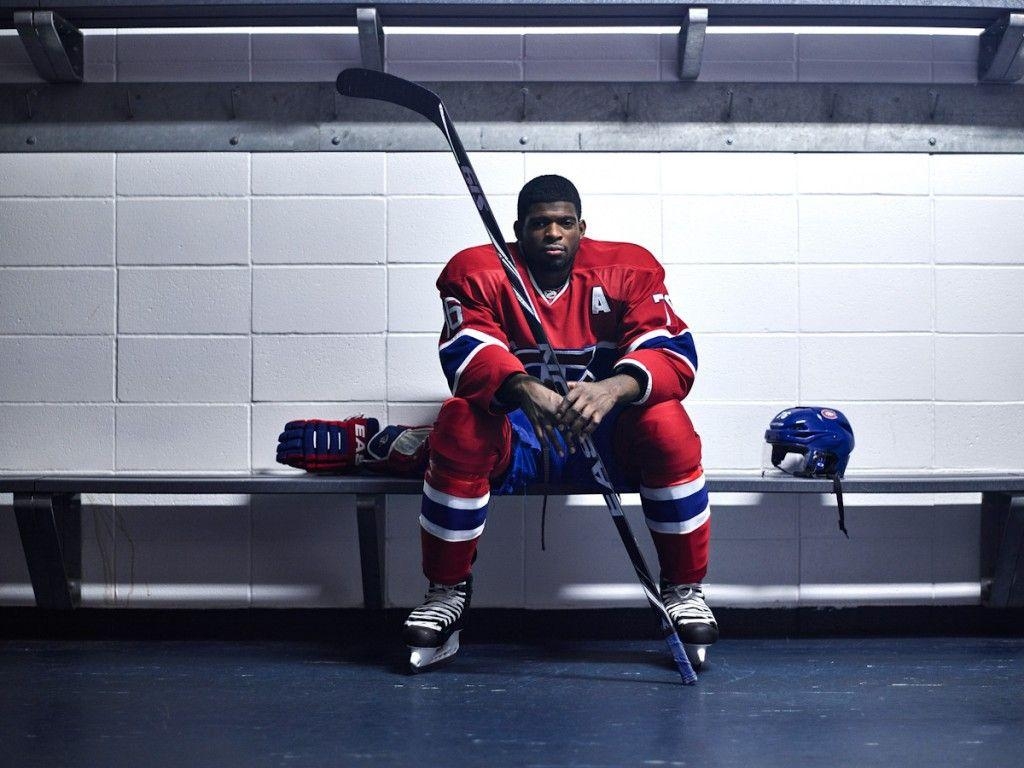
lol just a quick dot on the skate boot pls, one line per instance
(693, 619)
(432, 630)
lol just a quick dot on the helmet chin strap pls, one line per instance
(837, 489)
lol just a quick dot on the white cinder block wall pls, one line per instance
(165, 312)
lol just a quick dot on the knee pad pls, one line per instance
(469, 442)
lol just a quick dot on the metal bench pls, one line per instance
(48, 511)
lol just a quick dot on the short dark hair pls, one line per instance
(548, 189)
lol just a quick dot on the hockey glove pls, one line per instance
(399, 450)
(325, 446)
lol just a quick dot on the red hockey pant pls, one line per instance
(656, 447)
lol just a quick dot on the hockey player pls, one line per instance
(629, 360)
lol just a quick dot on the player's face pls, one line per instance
(549, 236)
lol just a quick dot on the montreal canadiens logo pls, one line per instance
(828, 413)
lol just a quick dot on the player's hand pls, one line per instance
(538, 403)
(588, 402)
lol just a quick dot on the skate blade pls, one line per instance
(696, 654)
(422, 659)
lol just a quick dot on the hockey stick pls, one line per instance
(371, 84)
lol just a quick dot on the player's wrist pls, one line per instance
(628, 385)
(511, 390)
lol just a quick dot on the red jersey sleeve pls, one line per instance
(473, 347)
(655, 341)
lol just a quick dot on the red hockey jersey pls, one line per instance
(613, 312)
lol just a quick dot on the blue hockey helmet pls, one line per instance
(822, 438)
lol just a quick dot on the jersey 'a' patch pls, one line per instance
(598, 301)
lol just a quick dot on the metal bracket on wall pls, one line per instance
(54, 45)
(51, 535)
(1001, 50)
(1002, 549)
(371, 38)
(691, 43)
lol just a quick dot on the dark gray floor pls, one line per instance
(836, 702)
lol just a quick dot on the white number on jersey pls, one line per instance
(452, 314)
(663, 297)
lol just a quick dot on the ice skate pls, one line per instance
(693, 620)
(432, 630)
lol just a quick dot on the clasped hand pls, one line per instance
(574, 416)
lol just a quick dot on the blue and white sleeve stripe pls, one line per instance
(680, 346)
(457, 353)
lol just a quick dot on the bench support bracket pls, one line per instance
(51, 535)
(370, 509)
(1002, 549)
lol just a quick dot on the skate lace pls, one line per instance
(443, 607)
(685, 602)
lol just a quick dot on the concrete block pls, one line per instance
(56, 232)
(592, 70)
(100, 46)
(955, 72)
(732, 434)
(305, 552)
(78, 369)
(317, 45)
(430, 230)
(876, 515)
(183, 231)
(568, 46)
(195, 174)
(268, 420)
(184, 300)
(318, 173)
(420, 47)
(46, 174)
(965, 437)
(307, 368)
(862, 173)
(195, 71)
(458, 71)
(739, 47)
(891, 230)
(725, 298)
(979, 300)
(579, 542)
(861, 560)
(182, 437)
(962, 48)
(626, 219)
(299, 71)
(414, 371)
(194, 554)
(978, 231)
(319, 299)
(863, 72)
(726, 173)
(11, 49)
(736, 71)
(864, 47)
(739, 229)
(741, 367)
(435, 173)
(82, 438)
(752, 563)
(878, 298)
(414, 305)
(188, 47)
(20, 73)
(413, 414)
(856, 367)
(979, 368)
(58, 301)
(889, 436)
(753, 517)
(594, 173)
(183, 370)
(324, 231)
(978, 175)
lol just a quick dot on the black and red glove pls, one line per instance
(317, 445)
